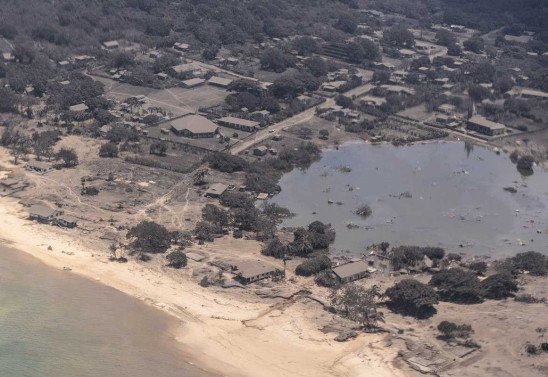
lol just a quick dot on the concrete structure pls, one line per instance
(194, 126)
(484, 126)
(42, 213)
(219, 81)
(239, 124)
(216, 190)
(192, 83)
(38, 167)
(250, 271)
(351, 271)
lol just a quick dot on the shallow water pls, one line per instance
(53, 323)
(457, 198)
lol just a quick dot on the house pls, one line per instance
(216, 190)
(65, 221)
(8, 57)
(532, 93)
(250, 271)
(194, 126)
(398, 76)
(351, 271)
(238, 124)
(111, 45)
(262, 196)
(484, 126)
(78, 108)
(38, 167)
(517, 39)
(447, 109)
(219, 81)
(42, 213)
(372, 101)
(397, 89)
(192, 68)
(10, 186)
(333, 86)
(181, 46)
(407, 53)
(192, 83)
(260, 151)
(162, 76)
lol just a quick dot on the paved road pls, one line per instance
(296, 119)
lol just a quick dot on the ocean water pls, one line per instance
(456, 198)
(55, 324)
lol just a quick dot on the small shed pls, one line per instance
(351, 271)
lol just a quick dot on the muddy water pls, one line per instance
(456, 198)
(53, 323)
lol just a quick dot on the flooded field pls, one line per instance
(53, 323)
(439, 194)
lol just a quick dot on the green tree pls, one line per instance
(412, 297)
(149, 237)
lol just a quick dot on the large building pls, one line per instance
(194, 126)
(485, 126)
(239, 124)
(351, 271)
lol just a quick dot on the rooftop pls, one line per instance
(41, 211)
(79, 107)
(249, 269)
(220, 81)
(238, 121)
(476, 119)
(195, 124)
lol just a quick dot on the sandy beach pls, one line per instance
(222, 335)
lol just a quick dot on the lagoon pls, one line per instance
(445, 194)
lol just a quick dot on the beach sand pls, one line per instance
(222, 335)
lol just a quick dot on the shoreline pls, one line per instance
(212, 334)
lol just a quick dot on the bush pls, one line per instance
(326, 279)
(479, 268)
(109, 150)
(532, 261)
(364, 211)
(498, 286)
(454, 257)
(205, 231)
(412, 297)
(313, 265)
(434, 253)
(158, 148)
(176, 259)
(69, 157)
(274, 248)
(451, 330)
(234, 199)
(457, 285)
(525, 163)
(529, 299)
(405, 256)
(226, 163)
